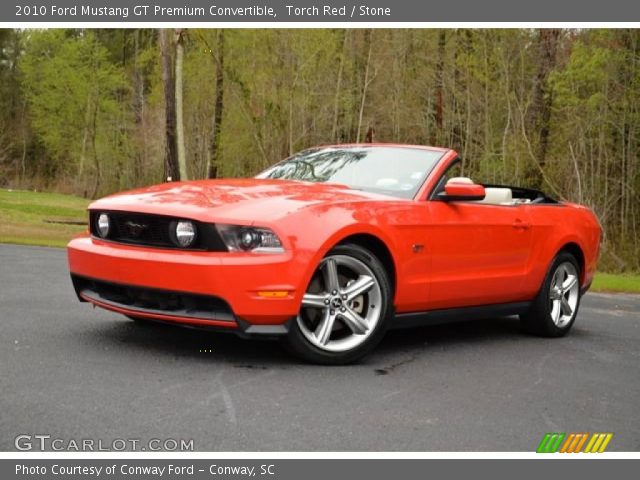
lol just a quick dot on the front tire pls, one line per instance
(346, 309)
(555, 308)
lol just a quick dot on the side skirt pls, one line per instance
(450, 315)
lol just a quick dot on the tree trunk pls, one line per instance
(171, 171)
(219, 108)
(138, 105)
(540, 121)
(336, 98)
(85, 135)
(94, 133)
(438, 107)
(365, 86)
(182, 160)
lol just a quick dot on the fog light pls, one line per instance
(185, 233)
(103, 225)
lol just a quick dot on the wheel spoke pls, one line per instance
(313, 300)
(355, 322)
(343, 304)
(363, 284)
(559, 277)
(555, 313)
(569, 283)
(331, 275)
(325, 327)
(565, 307)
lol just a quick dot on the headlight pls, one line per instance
(102, 225)
(185, 233)
(239, 238)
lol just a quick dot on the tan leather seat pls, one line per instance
(460, 180)
(493, 196)
(497, 196)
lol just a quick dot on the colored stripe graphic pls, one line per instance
(550, 443)
(598, 442)
(567, 443)
(573, 442)
(581, 443)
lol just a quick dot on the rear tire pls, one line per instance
(556, 306)
(346, 309)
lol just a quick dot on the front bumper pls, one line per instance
(238, 282)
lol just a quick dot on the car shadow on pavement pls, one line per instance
(226, 348)
(198, 344)
(451, 334)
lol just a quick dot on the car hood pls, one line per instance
(243, 200)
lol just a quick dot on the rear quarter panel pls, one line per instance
(554, 227)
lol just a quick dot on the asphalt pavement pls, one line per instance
(74, 372)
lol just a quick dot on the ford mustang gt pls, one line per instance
(331, 247)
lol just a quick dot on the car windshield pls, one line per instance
(396, 171)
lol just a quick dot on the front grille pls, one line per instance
(151, 300)
(152, 230)
(155, 231)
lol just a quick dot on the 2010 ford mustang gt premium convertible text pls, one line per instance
(334, 245)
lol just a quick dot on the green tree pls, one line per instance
(71, 90)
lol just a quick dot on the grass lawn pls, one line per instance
(45, 219)
(609, 282)
(30, 218)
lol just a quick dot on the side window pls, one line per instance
(455, 170)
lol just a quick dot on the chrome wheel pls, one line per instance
(564, 293)
(342, 306)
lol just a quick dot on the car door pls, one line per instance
(478, 252)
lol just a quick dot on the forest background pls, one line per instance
(93, 111)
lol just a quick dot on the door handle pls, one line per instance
(520, 224)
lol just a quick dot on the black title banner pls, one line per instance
(360, 11)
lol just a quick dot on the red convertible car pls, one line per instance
(333, 246)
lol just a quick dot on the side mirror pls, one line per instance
(462, 192)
